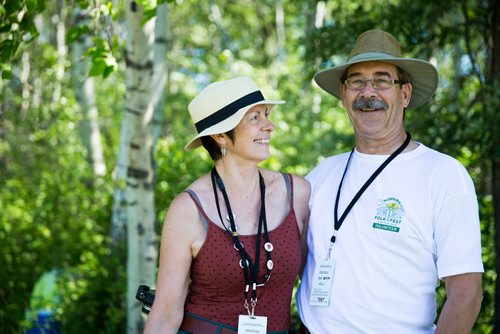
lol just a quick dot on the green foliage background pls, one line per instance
(54, 213)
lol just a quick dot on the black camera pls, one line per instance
(146, 296)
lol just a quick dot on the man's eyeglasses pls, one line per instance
(378, 82)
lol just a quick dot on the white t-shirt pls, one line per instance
(417, 222)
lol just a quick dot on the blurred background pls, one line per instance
(93, 120)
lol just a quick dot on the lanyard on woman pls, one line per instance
(338, 222)
(250, 268)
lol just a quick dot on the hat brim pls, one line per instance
(228, 124)
(424, 76)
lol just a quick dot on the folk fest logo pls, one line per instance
(390, 213)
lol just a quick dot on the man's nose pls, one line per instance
(368, 89)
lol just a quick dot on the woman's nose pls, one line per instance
(268, 125)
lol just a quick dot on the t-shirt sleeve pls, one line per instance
(456, 220)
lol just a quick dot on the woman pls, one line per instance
(233, 242)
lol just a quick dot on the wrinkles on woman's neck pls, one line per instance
(238, 179)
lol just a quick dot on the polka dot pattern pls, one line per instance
(217, 281)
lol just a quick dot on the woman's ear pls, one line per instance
(219, 139)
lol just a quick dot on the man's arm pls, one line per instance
(464, 294)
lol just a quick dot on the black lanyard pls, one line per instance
(338, 222)
(250, 268)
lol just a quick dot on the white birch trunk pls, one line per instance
(280, 29)
(85, 94)
(25, 75)
(62, 50)
(319, 20)
(135, 191)
(320, 14)
(160, 69)
(216, 17)
(37, 81)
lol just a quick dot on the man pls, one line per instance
(393, 217)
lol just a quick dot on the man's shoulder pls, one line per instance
(327, 165)
(439, 159)
(442, 167)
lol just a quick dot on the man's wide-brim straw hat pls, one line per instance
(378, 45)
(220, 106)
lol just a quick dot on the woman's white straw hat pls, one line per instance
(220, 106)
(378, 45)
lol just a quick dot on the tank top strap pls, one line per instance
(197, 202)
(289, 187)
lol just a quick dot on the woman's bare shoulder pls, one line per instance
(301, 184)
(183, 214)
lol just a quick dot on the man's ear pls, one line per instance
(342, 94)
(407, 89)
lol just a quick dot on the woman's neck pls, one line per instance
(236, 178)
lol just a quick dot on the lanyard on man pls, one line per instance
(323, 273)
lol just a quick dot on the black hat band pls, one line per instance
(228, 110)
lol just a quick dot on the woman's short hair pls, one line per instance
(212, 147)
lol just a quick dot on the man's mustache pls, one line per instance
(364, 103)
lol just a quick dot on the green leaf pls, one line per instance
(97, 68)
(6, 70)
(75, 32)
(103, 60)
(7, 49)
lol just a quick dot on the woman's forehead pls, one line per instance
(258, 107)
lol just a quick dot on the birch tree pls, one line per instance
(134, 201)
(160, 67)
(85, 93)
(25, 75)
(493, 95)
(59, 21)
(280, 31)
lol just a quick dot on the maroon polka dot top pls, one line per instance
(217, 283)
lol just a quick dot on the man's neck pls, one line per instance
(383, 146)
